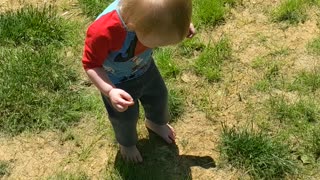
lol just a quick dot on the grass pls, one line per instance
(314, 2)
(259, 63)
(209, 62)
(231, 2)
(69, 176)
(306, 82)
(35, 91)
(4, 168)
(269, 67)
(208, 12)
(302, 111)
(310, 148)
(33, 26)
(39, 91)
(256, 153)
(314, 46)
(38, 87)
(92, 8)
(165, 63)
(190, 47)
(315, 144)
(270, 78)
(176, 104)
(292, 11)
(298, 125)
(68, 135)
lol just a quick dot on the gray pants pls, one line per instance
(151, 91)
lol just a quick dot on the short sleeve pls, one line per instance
(97, 46)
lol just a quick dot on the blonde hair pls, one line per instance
(158, 15)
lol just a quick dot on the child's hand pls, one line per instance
(120, 99)
(192, 31)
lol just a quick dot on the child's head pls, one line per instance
(157, 22)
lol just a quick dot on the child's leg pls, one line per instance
(124, 125)
(155, 102)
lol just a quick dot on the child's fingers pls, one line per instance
(121, 108)
(124, 102)
(126, 99)
(192, 31)
(120, 99)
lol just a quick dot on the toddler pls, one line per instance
(118, 60)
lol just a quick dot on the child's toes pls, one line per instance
(139, 158)
(172, 130)
(168, 139)
(172, 138)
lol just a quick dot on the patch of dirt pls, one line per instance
(253, 35)
(45, 154)
(199, 137)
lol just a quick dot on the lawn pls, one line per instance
(243, 95)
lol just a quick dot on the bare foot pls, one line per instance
(130, 154)
(164, 131)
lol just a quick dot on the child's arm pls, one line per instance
(119, 98)
(97, 46)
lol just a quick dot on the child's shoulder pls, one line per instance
(109, 19)
(109, 24)
(111, 8)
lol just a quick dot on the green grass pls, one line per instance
(92, 8)
(314, 46)
(309, 149)
(176, 104)
(302, 111)
(33, 26)
(35, 90)
(259, 63)
(268, 67)
(190, 47)
(263, 85)
(306, 82)
(208, 12)
(165, 63)
(4, 168)
(209, 62)
(38, 88)
(292, 11)
(272, 72)
(315, 143)
(256, 153)
(69, 176)
(270, 79)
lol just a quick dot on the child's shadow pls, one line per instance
(160, 161)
